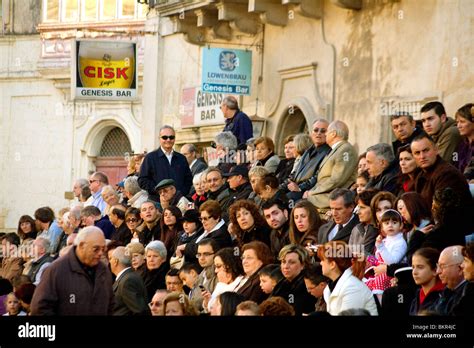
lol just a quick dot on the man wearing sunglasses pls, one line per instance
(165, 163)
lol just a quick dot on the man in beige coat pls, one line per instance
(338, 169)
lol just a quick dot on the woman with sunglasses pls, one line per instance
(133, 221)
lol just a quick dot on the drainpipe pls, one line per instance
(333, 48)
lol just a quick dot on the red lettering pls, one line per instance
(89, 71)
(122, 73)
(99, 72)
(109, 73)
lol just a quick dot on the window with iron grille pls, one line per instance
(115, 144)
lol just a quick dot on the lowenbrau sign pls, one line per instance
(104, 70)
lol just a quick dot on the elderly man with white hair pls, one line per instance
(136, 196)
(129, 290)
(450, 272)
(79, 283)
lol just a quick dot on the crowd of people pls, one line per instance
(323, 231)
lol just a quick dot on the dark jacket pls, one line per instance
(156, 167)
(396, 301)
(221, 236)
(240, 125)
(155, 279)
(130, 295)
(198, 167)
(295, 294)
(279, 238)
(241, 192)
(344, 234)
(465, 306)
(397, 143)
(251, 290)
(220, 195)
(67, 287)
(365, 235)
(36, 265)
(447, 139)
(439, 176)
(430, 300)
(449, 299)
(106, 226)
(256, 233)
(147, 235)
(387, 180)
(284, 169)
(122, 234)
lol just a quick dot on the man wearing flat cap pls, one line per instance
(169, 196)
(239, 185)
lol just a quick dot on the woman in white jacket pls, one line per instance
(345, 290)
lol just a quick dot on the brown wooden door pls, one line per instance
(114, 167)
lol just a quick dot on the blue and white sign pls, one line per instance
(226, 70)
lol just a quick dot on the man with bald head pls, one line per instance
(196, 164)
(78, 283)
(450, 272)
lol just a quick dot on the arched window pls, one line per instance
(115, 144)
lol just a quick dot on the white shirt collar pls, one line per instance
(192, 163)
(120, 273)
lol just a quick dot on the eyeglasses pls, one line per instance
(320, 130)
(91, 181)
(205, 218)
(198, 255)
(157, 304)
(443, 267)
(131, 220)
(167, 137)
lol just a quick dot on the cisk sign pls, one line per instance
(104, 70)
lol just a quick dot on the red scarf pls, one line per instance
(437, 287)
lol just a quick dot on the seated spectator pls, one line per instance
(192, 229)
(86, 197)
(230, 276)
(217, 186)
(345, 290)
(13, 307)
(189, 275)
(382, 168)
(441, 128)
(285, 166)
(91, 216)
(137, 253)
(404, 128)
(117, 218)
(361, 182)
(270, 276)
(206, 250)
(110, 197)
(247, 223)
(364, 234)
(133, 220)
(465, 124)
(136, 196)
(269, 189)
(12, 263)
(239, 186)
(265, 152)
(178, 304)
(47, 226)
(41, 261)
(256, 174)
(26, 228)
(199, 196)
(315, 283)
(276, 215)
(424, 262)
(173, 281)
(294, 258)
(156, 267)
(150, 229)
(276, 306)
(157, 302)
(451, 275)
(255, 256)
(226, 145)
(226, 304)
(169, 196)
(247, 308)
(466, 303)
(304, 225)
(381, 202)
(408, 169)
(171, 227)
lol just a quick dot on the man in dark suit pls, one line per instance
(165, 163)
(129, 290)
(342, 204)
(196, 164)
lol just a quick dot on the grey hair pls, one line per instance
(82, 182)
(302, 142)
(76, 212)
(197, 178)
(131, 185)
(341, 129)
(158, 247)
(231, 102)
(167, 127)
(191, 147)
(109, 189)
(227, 140)
(347, 195)
(45, 243)
(122, 255)
(258, 171)
(382, 150)
(86, 232)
